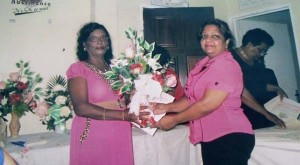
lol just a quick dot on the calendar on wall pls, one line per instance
(170, 3)
(246, 4)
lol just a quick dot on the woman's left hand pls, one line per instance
(276, 120)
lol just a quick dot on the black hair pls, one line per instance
(222, 27)
(256, 37)
(164, 57)
(83, 36)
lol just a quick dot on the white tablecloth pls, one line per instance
(274, 146)
(164, 148)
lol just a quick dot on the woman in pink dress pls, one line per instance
(99, 135)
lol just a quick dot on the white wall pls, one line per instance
(47, 39)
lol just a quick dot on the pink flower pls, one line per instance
(28, 97)
(171, 80)
(129, 52)
(2, 85)
(42, 109)
(14, 76)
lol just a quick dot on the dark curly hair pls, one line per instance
(256, 37)
(223, 28)
(83, 35)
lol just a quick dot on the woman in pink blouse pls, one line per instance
(212, 102)
(101, 131)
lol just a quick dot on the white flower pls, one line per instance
(4, 101)
(65, 111)
(59, 100)
(129, 52)
(58, 87)
(47, 118)
(153, 64)
(25, 80)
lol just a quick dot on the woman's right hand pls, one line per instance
(132, 117)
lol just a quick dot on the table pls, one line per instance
(273, 146)
(164, 148)
(276, 146)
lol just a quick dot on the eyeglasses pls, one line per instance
(98, 39)
(213, 37)
(262, 51)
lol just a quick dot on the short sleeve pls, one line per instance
(77, 69)
(229, 75)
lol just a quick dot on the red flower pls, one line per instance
(136, 68)
(14, 98)
(158, 77)
(22, 86)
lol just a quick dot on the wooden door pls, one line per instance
(176, 30)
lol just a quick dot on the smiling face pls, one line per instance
(212, 41)
(97, 43)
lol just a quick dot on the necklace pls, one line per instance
(100, 73)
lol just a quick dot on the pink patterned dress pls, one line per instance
(107, 142)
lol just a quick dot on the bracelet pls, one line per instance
(123, 115)
(104, 114)
(119, 104)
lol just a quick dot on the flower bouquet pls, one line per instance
(19, 93)
(138, 71)
(55, 110)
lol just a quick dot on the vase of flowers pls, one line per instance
(19, 94)
(14, 125)
(139, 71)
(55, 110)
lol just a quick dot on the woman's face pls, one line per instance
(254, 52)
(212, 41)
(97, 43)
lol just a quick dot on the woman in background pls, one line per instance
(165, 59)
(260, 83)
(212, 102)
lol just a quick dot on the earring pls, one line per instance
(84, 49)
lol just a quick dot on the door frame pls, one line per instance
(233, 22)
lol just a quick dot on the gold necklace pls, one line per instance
(100, 73)
(103, 68)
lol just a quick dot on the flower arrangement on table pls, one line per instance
(139, 71)
(55, 110)
(20, 93)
